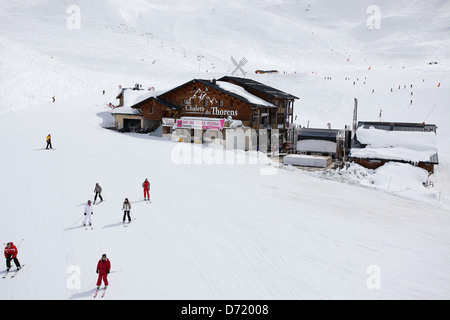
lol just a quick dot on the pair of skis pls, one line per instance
(96, 204)
(103, 293)
(14, 273)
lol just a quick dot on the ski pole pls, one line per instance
(17, 246)
(79, 219)
(20, 244)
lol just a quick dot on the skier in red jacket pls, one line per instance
(146, 186)
(11, 254)
(103, 268)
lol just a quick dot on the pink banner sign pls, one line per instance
(204, 124)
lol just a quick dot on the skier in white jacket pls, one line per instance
(88, 212)
(126, 210)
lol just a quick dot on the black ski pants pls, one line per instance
(8, 261)
(98, 194)
(126, 214)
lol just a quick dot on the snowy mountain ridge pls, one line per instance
(218, 231)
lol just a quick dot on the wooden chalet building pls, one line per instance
(256, 105)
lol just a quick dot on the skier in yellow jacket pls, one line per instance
(49, 142)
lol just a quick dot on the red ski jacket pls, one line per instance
(11, 251)
(146, 185)
(104, 266)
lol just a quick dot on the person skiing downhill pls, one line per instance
(126, 210)
(88, 212)
(98, 192)
(11, 254)
(103, 268)
(146, 186)
(49, 142)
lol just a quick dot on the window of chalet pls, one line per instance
(151, 111)
(221, 103)
(264, 121)
(205, 102)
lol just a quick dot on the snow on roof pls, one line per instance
(243, 93)
(129, 98)
(395, 145)
(145, 96)
(132, 98)
(250, 83)
(125, 110)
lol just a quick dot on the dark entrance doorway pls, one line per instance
(132, 125)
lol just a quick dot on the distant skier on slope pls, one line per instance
(49, 142)
(103, 268)
(98, 192)
(146, 186)
(126, 210)
(88, 212)
(11, 254)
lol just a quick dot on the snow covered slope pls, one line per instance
(218, 231)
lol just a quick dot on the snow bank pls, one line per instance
(400, 179)
(405, 180)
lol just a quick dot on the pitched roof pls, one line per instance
(236, 93)
(167, 104)
(255, 85)
(232, 88)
